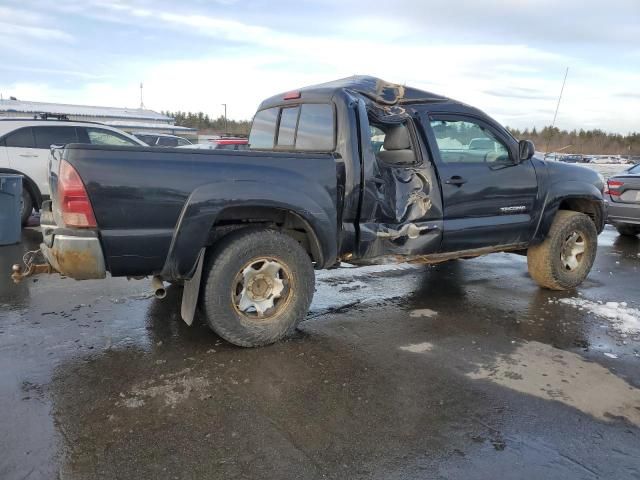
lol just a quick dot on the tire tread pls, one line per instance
(540, 258)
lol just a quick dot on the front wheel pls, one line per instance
(563, 260)
(258, 284)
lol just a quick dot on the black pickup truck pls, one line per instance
(353, 170)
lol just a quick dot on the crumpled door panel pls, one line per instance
(404, 213)
(403, 195)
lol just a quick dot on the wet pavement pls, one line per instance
(462, 370)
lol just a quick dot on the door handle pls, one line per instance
(27, 155)
(456, 180)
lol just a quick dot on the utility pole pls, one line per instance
(141, 102)
(555, 115)
(225, 117)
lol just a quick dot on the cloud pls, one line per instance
(50, 71)
(22, 23)
(9, 30)
(515, 93)
(506, 58)
(628, 95)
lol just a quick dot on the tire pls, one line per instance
(552, 264)
(243, 269)
(626, 229)
(26, 206)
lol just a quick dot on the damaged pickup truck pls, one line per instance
(353, 170)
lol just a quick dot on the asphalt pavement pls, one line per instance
(464, 370)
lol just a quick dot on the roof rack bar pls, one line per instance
(47, 115)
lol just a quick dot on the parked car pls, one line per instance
(481, 144)
(572, 158)
(162, 139)
(607, 160)
(24, 149)
(622, 198)
(244, 230)
(598, 160)
(221, 144)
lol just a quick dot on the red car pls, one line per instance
(227, 143)
(232, 143)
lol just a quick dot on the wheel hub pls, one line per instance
(572, 251)
(259, 287)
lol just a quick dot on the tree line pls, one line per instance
(596, 142)
(208, 125)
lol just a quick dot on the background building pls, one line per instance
(127, 119)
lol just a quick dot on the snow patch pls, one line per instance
(624, 318)
(423, 312)
(172, 389)
(418, 347)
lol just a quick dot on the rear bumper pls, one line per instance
(617, 212)
(76, 257)
(72, 252)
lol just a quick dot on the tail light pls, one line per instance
(73, 201)
(612, 187)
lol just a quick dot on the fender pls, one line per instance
(30, 185)
(309, 201)
(567, 190)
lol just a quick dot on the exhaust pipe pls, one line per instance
(157, 285)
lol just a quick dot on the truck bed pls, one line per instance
(139, 194)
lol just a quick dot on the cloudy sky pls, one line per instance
(507, 57)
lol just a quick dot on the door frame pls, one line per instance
(377, 238)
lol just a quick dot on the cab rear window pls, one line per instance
(263, 129)
(310, 127)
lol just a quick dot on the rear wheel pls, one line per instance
(258, 284)
(563, 260)
(26, 206)
(626, 229)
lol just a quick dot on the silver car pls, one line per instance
(622, 197)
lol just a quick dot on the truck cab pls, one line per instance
(418, 173)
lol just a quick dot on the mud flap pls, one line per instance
(191, 291)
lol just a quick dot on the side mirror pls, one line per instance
(526, 149)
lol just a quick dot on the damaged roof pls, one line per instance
(376, 89)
